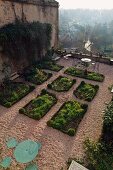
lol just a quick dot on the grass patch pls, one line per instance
(12, 92)
(61, 84)
(36, 76)
(73, 71)
(39, 106)
(68, 117)
(86, 91)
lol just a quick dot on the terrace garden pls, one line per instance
(12, 92)
(50, 65)
(68, 117)
(36, 76)
(86, 91)
(73, 71)
(61, 84)
(39, 106)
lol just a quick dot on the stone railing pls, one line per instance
(93, 58)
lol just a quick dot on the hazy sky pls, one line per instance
(91, 4)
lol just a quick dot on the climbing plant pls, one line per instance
(20, 39)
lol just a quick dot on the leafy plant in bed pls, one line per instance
(86, 91)
(12, 92)
(36, 76)
(39, 106)
(61, 84)
(73, 71)
(50, 65)
(68, 117)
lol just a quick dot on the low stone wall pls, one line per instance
(93, 58)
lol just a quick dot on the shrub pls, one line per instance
(32, 87)
(22, 110)
(44, 91)
(74, 80)
(85, 107)
(7, 104)
(71, 132)
(89, 99)
(97, 157)
(49, 74)
(37, 116)
(49, 86)
(57, 125)
(82, 83)
(49, 123)
(97, 87)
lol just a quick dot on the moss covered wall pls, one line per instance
(28, 10)
(31, 10)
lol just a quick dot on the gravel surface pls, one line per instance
(56, 146)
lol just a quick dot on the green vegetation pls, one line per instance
(36, 76)
(68, 117)
(82, 74)
(97, 156)
(86, 91)
(23, 39)
(107, 135)
(61, 84)
(13, 92)
(50, 65)
(38, 107)
(100, 154)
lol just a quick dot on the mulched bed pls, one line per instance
(86, 91)
(39, 106)
(68, 117)
(73, 71)
(12, 92)
(36, 76)
(61, 84)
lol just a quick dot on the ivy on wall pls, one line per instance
(21, 39)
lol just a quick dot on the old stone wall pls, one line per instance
(44, 11)
(31, 10)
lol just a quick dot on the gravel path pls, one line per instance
(56, 146)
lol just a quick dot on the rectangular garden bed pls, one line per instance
(39, 106)
(36, 76)
(73, 71)
(61, 84)
(86, 91)
(12, 92)
(49, 65)
(68, 117)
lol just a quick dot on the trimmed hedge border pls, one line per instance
(31, 88)
(50, 85)
(71, 131)
(82, 75)
(43, 92)
(80, 96)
